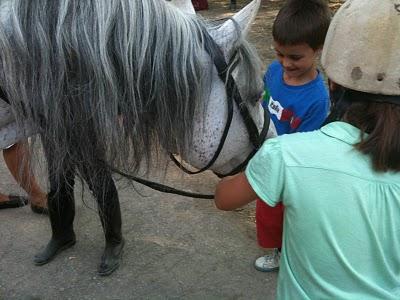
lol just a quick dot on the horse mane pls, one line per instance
(128, 72)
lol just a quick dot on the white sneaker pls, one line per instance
(268, 263)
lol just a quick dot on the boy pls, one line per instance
(295, 96)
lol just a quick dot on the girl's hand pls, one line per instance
(233, 192)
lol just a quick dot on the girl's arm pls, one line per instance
(234, 192)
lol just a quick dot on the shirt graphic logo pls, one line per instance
(283, 114)
(275, 108)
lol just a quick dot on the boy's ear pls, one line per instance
(318, 51)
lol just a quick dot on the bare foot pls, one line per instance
(38, 200)
(4, 198)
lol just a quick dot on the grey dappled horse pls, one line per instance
(109, 83)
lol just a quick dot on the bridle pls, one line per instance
(233, 96)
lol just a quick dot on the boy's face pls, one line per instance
(298, 61)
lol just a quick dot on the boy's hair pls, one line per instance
(302, 21)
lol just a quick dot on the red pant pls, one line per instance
(269, 223)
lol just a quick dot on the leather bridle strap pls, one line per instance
(161, 187)
(220, 145)
(241, 166)
(233, 94)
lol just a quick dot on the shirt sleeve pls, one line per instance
(315, 116)
(265, 172)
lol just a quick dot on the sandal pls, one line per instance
(14, 201)
(39, 209)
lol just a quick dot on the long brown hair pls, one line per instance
(379, 123)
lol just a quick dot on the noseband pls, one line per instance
(233, 96)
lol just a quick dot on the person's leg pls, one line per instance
(269, 225)
(61, 209)
(103, 188)
(14, 157)
(62, 212)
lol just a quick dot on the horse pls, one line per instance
(110, 84)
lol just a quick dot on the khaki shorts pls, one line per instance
(10, 133)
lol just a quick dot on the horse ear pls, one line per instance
(184, 5)
(227, 33)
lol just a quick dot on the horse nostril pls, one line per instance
(380, 76)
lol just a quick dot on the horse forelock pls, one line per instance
(129, 73)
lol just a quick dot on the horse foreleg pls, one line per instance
(103, 188)
(61, 212)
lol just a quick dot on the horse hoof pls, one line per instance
(52, 249)
(111, 259)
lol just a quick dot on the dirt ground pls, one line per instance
(176, 247)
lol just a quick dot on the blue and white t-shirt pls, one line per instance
(294, 108)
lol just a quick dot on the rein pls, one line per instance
(233, 95)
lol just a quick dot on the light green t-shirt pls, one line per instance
(341, 236)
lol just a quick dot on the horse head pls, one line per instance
(137, 75)
(209, 124)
